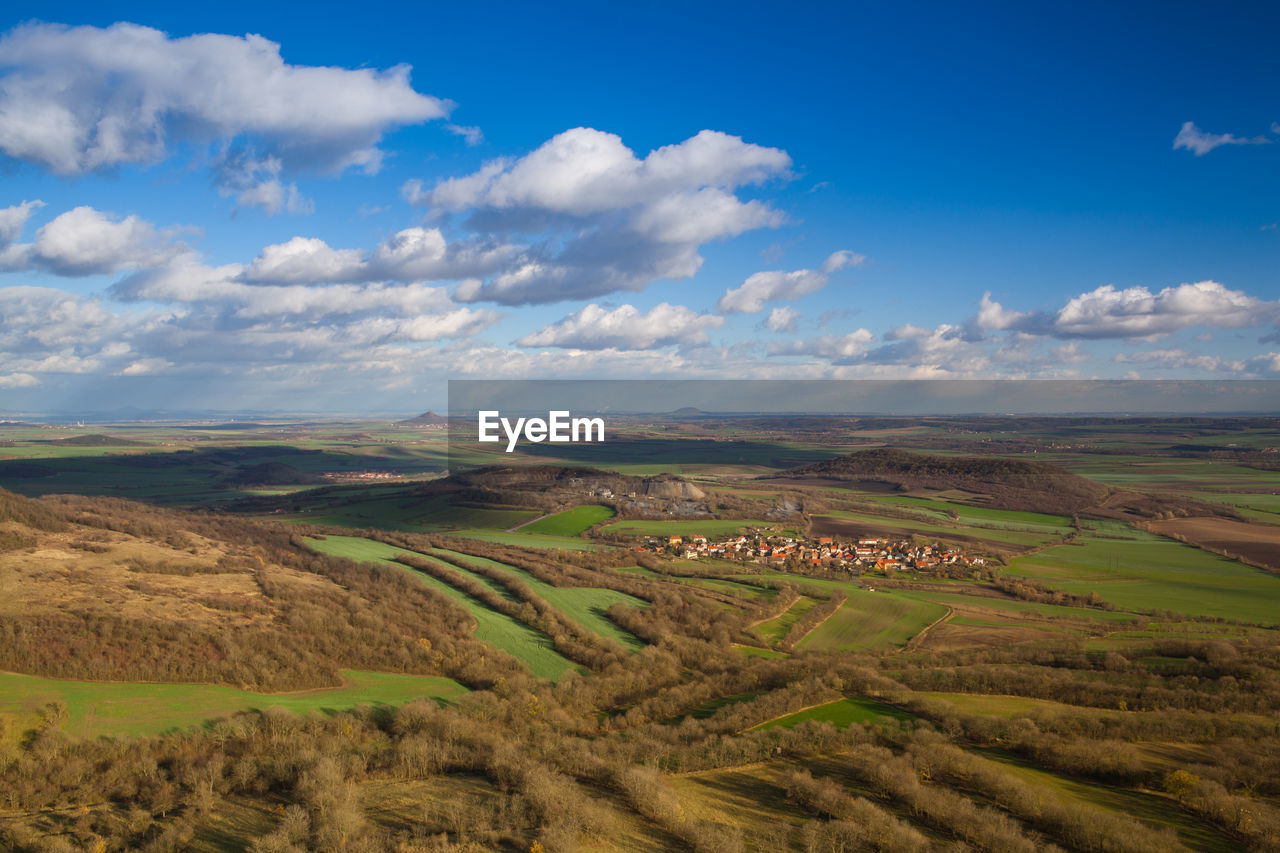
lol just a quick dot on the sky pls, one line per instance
(288, 207)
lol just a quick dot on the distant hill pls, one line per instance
(1012, 484)
(425, 419)
(273, 474)
(688, 412)
(1009, 483)
(106, 589)
(95, 440)
(505, 480)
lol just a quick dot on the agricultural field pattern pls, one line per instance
(916, 634)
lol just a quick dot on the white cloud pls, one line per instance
(625, 328)
(1200, 143)
(84, 241)
(18, 380)
(1069, 353)
(470, 134)
(419, 311)
(1177, 359)
(274, 196)
(1267, 364)
(1136, 312)
(13, 219)
(992, 316)
(413, 254)
(835, 348)
(762, 287)
(304, 260)
(1133, 312)
(145, 367)
(907, 332)
(584, 171)
(80, 99)
(782, 319)
(598, 219)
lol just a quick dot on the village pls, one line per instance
(797, 554)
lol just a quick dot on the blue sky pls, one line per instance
(344, 211)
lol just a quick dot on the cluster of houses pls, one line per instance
(857, 556)
(361, 475)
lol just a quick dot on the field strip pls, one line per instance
(789, 713)
(527, 523)
(919, 638)
(799, 599)
(820, 623)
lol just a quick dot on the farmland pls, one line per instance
(584, 605)
(496, 629)
(97, 709)
(710, 528)
(840, 714)
(873, 620)
(1146, 572)
(495, 663)
(571, 522)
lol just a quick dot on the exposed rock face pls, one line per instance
(784, 509)
(673, 489)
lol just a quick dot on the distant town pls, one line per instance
(856, 556)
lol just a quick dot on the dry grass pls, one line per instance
(86, 570)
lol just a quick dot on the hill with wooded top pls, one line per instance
(1013, 484)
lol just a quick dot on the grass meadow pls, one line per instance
(123, 708)
(584, 605)
(497, 629)
(1145, 572)
(572, 522)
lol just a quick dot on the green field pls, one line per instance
(1013, 606)
(399, 508)
(873, 620)
(572, 522)
(773, 630)
(123, 708)
(1147, 572)
(737, 590)
(584, 605)
(1024, 535)
(711, 528)
(526, 540)
(496, 629)
(1056, 525)
(840, 713)
(1147, 807)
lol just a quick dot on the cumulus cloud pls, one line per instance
(1132, 312)
(834, 348)
(1177, 359)
(80, 99)
(84, 241)
(13, 219)
(413, 254)
(625, 327)
(256, 183)
(1267, 364)
(410, 311)
(1136, 312)
(992, 317)
(1200, 143)
(782, 319)
(598, 219)
(18, 380)
(770, 285)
